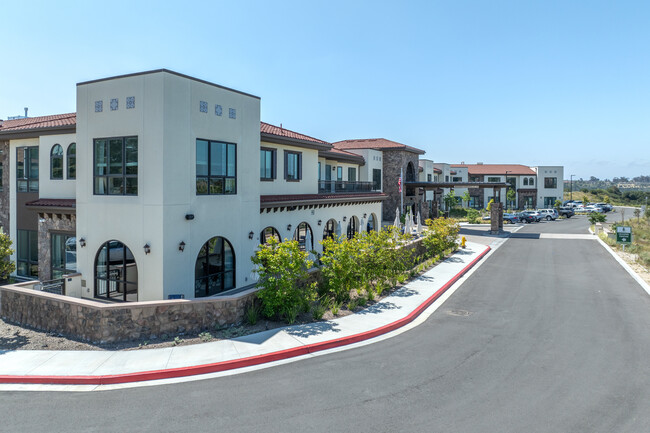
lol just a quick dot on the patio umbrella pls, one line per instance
(419, 223)
(338, 229)
(408, 224)
(396, 222)
(309, 246)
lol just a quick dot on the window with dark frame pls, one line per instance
(56, 162)
(376, 179)
(27, 253)
(27, 169)
(64, 254)
(115, 166)
(268, 233)
(352, 174)
(330, 229)
(339, 173)
(216, 168)
(71, 156)
(550, 182)
(215, 268)
(268, 164)
(302, 232)
(292, 165)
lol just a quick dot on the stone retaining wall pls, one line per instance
(99, 323)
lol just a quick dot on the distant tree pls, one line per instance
(466, 197)
(450, 200)
(594, 179)
(597, 217)
(6, 265)
(585, 199)
(558, 204)
(511, 195)
(606, 199)
(637, 214)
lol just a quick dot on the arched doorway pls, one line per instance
(353, 226)
(214, 271)
(116, 273)
(410, 177)
(302, 232)
(268, 233)
(372, 224)
(330, 229)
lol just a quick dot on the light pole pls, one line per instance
(506, 200)
(572, 187)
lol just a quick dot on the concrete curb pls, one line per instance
(624, 264)
(242, 362)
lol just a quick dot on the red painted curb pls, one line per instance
(242, 362)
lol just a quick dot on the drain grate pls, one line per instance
(461, 313)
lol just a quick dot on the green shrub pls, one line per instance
(441, 236)
(282, 266)
(318, 311)
(6, 265)
(596, 217)
(252, 313)
(473, 216)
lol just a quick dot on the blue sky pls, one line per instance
(531, 82)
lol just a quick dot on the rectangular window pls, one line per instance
(27, 169)
(292, 165)
(428, 178)
(319, 175)
(494, 179)
(549, 202)
(328, 172)
(550, 182)
(352, 174)
(446, 178)
(267, 164)
(457, 179)
(376, 179)
(64, 254)
(27, 253)
(475, 179)
(339, 173)
(216, 167)
(116, 166)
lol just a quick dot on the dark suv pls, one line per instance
(567, 212)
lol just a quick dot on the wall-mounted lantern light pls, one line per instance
(181, 246)
(189, 216)
(250, 235)
(147, 248)
(365, 215)
(344, 218)
(82, 242)
(289, 227)
(320, 222)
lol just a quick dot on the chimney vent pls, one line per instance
(26, 108)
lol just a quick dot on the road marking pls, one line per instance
(567, 236)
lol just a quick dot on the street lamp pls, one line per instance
(506, 200)
(572, 187)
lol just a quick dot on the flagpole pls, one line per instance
(401, 189)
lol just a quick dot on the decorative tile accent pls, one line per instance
(232, 113)
(130, 102)
(203, 107)
(99, 106)
(114, 104)
(218, 110)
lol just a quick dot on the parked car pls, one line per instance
(535, 214)
(606, 207)
(512, 218)
(593, 208)
(567, 212)
(526, 217)
(548, 214)
(575, 203)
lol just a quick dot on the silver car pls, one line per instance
(548, 214)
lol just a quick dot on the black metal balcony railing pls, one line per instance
(344, 187)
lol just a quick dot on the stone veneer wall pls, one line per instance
(47, 223)
(100, 322)
(4, 194)
(393, 162)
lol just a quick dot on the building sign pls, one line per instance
(624, 235)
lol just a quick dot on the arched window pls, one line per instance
(71, 155)
(116, 274)
(56, 162)
(531, 182)
(410, 172)
(215, 268)
(268, 233)
(330, 229)
(304, 235)
(372, 223)
(525, 181)
(353, 227)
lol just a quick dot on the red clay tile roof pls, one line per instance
(376, 144)
(57, 120)
(499, 169)
(267, 128)
(342, 155)
(437, 170)
(307, 197)
(53, 202)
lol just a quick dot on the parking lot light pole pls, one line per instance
(572, 187)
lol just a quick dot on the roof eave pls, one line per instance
(277, 139)
(37, 132)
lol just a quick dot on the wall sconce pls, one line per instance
(320, 222)
(147, 248)
(344, 218)
(289, 227)
(181, 246)
(82, 242)
(365, 215)
(250, 235)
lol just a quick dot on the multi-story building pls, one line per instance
(162, 185)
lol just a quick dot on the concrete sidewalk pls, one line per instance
(120, 367)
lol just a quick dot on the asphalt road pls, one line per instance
(548, 335)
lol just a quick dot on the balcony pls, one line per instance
(344, 187)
